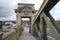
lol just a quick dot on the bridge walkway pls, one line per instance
(26, 35)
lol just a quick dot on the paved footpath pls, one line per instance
(26, 36)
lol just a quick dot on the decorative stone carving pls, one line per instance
(24, 10)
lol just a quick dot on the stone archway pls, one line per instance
(24, 10)
(26, 23)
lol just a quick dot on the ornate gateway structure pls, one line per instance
(24, 11)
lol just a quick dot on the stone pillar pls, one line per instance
(30, 30)
(18, 22)
(37, 23)
(35, 31)
(43, 30)
(31, 26)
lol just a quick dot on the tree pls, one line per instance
(1, 25)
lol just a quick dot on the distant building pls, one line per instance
(8, 23)
(58, 22)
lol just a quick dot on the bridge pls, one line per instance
(41, 22)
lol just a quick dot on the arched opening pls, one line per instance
(26, 24)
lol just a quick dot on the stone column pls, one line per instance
(35, 31)
(43, 30)
(31, 26)
(18, 22)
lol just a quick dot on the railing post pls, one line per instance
(1, 34)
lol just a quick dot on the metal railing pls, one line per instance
(40, 10)
(54, 30)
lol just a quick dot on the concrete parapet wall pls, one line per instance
(12, 36)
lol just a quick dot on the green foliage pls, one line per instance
(1, 25)
(8, 24)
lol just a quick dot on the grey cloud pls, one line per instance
(6, 8)
(5, 12)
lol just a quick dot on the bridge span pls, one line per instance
(41, 25)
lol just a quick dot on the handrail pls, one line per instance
(40, 10)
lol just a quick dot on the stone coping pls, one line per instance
(6, 34)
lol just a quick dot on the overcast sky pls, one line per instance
(7, 8)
